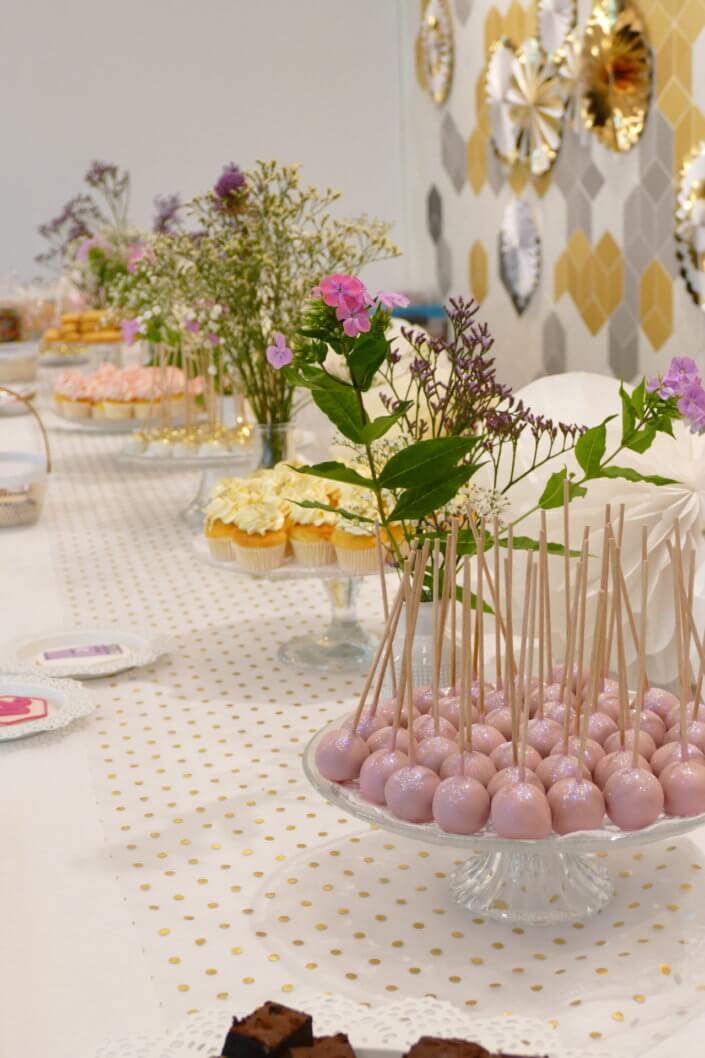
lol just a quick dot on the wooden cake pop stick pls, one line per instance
(572, 636)
(547, 602)
(600, 618)
(540, 588)
(521, 676)
(451, 572)
(526, 688)
(582, 613)
(495, 603)
(613, 616)
(465, 706)
(436, 662)
(381, 646)
(621, 657)
(641, 679)
(480, 623)
(566, 559)
(385, 598)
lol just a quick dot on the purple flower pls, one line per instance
(192, 326)
(166, 214)
(213, 339)
(279, 354)
(99, 172)
(231, 180)
(341, 291)
(390, 300)
(692, 405)
(130, 330)
(681, 371)
(354, 318)
(136, 251)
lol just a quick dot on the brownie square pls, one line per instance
(434, 1047)
(337, 1046)
(268, 1032)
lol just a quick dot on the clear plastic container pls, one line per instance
(18, 362)
(22, 487)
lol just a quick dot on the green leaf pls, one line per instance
(552, 495)
(628, 413)
(527, 543)
(425, 462)
(633, 475)
(333, 471)
(641, 440)
(342, 408)
(369, 353)
(663, 424)
(372, 431)
(590, 449)
(337, 510)
(417, 502)
(638, 398)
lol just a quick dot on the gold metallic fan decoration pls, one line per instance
(618, 73)
(535, 108)
(556, 19)
(690, 223)
(569, 60)
(497, 81)
(435, 50)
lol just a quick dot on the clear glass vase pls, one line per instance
(422, 651)
(277, 443)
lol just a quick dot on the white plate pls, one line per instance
(99, 426)
(246, 455)
(101, 650)
(53, 704)
(375, 1032)
(10, 405)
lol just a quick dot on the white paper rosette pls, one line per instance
(587, 399)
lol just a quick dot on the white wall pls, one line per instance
(173, 89)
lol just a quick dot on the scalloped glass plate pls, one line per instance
(63, 702)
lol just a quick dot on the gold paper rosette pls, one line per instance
(556, 19)
(434, 50)
(497, 81)
(690, 224)
(570, 72)
(535, 108)
(618, 72)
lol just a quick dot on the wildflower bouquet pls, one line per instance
(261, 242)
(448, 419)
(92, 241)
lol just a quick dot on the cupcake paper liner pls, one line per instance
(313, 552)
(260, 559)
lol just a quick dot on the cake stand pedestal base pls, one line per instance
(532, 888)
(194, 513)
(344, 646)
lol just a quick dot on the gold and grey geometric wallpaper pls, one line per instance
(609, 296)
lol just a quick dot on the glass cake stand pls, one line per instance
(212, 468)
(344, 645)
(543, 882)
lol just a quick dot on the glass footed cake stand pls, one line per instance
(524, 883)
(344, 645)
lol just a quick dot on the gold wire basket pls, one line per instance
(23, 477)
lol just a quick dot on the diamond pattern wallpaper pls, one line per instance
(609, 297)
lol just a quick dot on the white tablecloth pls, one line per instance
(167, 855)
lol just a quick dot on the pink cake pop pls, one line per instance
(484, 738)
(432, 752)
(684, 788)
(423, 699)
(367, 724)
(553, 769)
(576, 804)
(388, 713)
(557, 711)
(620, 760)
(608, 705)
(601, 727)
(672, 753)
(425, 727)
(449, 709)
(496, 699)
(651, 723)
(659, 701)
(521, 811)
(512, 776)
(461, 805)
(692, 712)
(409, 793)
(501, 719)
(593, 750)
(503, 757)
(634, 798)
(340, 755)
(543, 734)
(385, 739)
(646, 744)
(375, 771)
(695, 732)
(476, 765)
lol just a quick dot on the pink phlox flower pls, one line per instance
(13, 705)
(342, 291)
(213, 339)
(355, 319)
(89, 244)
(136, 251)
(279, 354)
(130, 329)
(192, 326)
(681, 372)
(391, 300)
(692, 405)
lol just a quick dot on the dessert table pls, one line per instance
(166, 855)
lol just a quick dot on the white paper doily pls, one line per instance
(67, 701)
(389, 1029)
